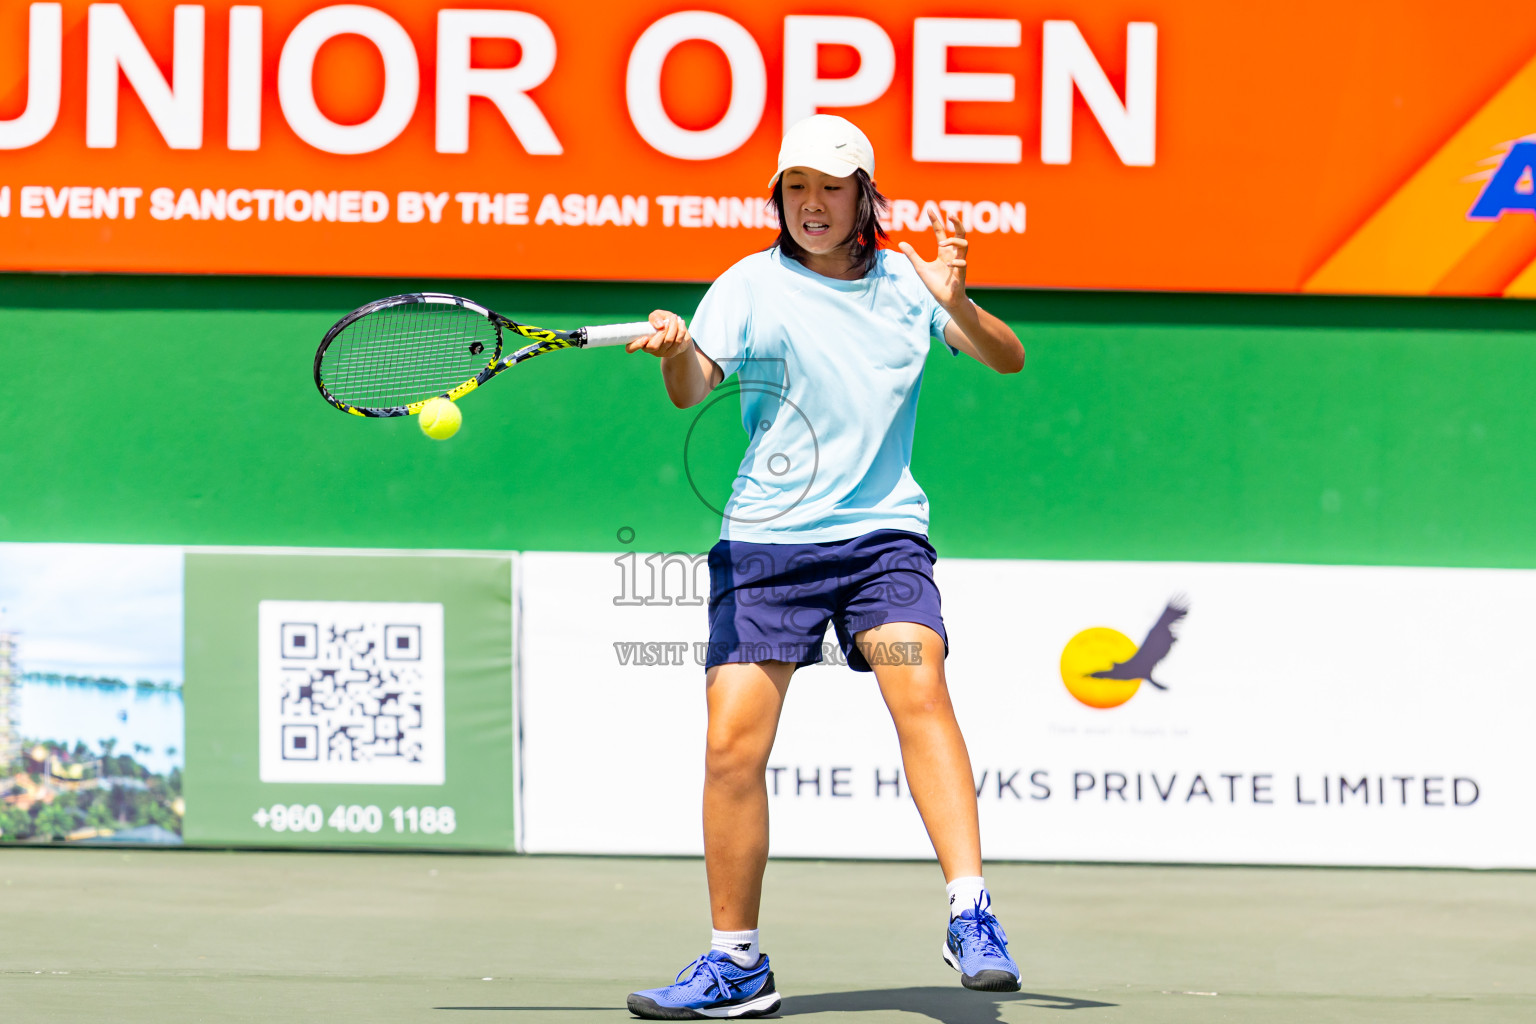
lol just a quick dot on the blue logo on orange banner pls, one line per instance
(1512, 189)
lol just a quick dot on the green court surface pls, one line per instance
(233, 936)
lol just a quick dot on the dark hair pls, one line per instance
(867, 235)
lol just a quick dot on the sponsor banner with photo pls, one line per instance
(294, 698)
(1169, 144)
(1214, 713)
(92, 745)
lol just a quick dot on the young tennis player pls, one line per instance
(825, 523)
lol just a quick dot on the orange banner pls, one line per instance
(1372, 147)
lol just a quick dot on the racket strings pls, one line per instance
(400, 355)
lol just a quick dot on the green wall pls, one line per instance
(1149, 427)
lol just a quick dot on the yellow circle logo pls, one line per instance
(1096, 650)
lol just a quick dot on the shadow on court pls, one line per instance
(946, 1005)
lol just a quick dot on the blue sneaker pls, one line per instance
(714, 985)
(978, 949)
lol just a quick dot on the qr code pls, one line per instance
(351, 691)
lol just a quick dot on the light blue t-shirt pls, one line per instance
(829, 376)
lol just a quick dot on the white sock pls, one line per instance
(965, 894)
(739, 946)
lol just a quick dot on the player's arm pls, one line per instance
(972, 329)
(984, 338)
(687, 372)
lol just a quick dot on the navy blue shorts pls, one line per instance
(772, 602)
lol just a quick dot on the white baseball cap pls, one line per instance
(825, 143)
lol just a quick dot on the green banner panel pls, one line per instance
(359, 700)
(1143, 428)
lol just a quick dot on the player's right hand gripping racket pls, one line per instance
(393, 356)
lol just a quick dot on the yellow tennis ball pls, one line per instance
(440, 419)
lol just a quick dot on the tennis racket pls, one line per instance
(393, 356)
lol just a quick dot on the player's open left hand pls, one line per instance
(944, 275)
(670, 339)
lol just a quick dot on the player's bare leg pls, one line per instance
(933, 753)
(744, 704)
(938, 770)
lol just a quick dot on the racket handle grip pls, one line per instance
(617, 334)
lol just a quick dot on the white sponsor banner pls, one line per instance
(1309, 715)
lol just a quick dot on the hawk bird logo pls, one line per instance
(1103, 668)
(1160, 640)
